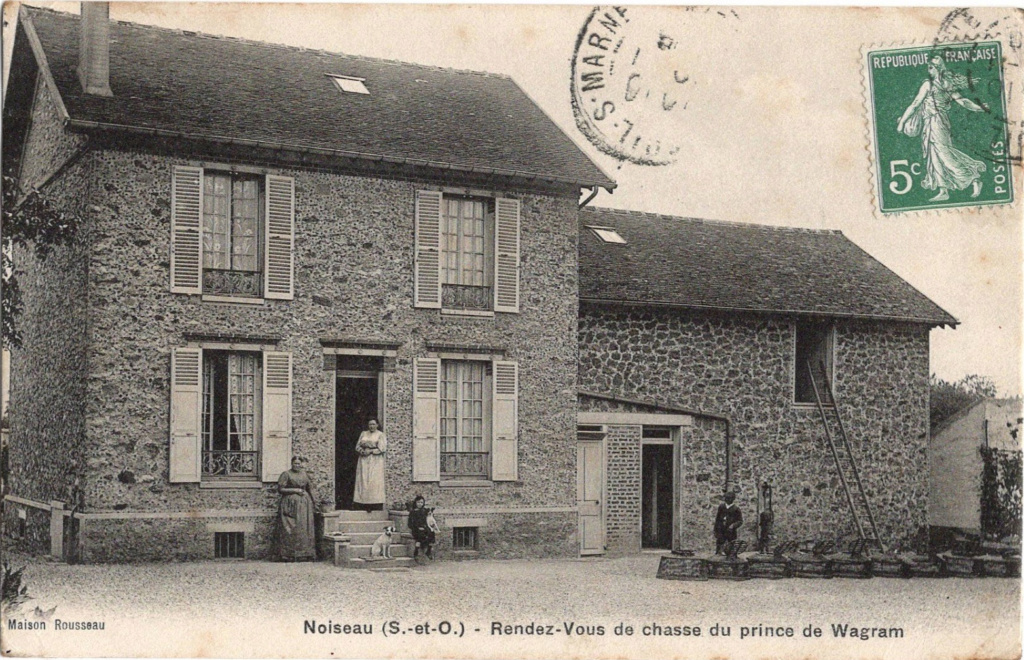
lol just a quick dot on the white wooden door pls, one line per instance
(589, 494)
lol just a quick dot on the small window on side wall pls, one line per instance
(813, 362)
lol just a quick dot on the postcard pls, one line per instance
(421, 331)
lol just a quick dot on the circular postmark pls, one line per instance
(978, 25)
(627, 83)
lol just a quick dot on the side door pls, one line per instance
(590, 491)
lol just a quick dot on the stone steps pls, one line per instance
(381, 564)
(363, 550)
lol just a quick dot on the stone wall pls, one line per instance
(353, 278)
(160, 539)
(516, 535)
(48, 145)
(49, 371)
(741, 367)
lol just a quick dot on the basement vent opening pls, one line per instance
(229, 545)
(349, 84)
(607, 234)
(464, 538)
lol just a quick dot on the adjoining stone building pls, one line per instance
(277, 244)
(695, 338)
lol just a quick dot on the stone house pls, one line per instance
(701, 346)
(957, 464)
(257, 274)
(275, 245)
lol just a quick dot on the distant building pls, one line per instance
(956, 463)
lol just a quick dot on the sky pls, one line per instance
(771, 127)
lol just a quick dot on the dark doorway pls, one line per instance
(355, 404)
(656, 502)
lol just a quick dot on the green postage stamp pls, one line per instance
(939, 126)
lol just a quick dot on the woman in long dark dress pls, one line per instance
(295, 521)
(419, 528)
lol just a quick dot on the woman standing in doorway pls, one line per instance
(369, 492)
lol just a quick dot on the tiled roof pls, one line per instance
(226, 88)
(707, 264)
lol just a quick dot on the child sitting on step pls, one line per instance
(420, 527)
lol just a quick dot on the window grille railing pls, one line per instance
(232, 282)
(464, 464)
(218, 463)
(458, 296)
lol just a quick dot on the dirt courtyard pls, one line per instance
(515, 609)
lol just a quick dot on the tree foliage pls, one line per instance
(947, 399)
(29, 221)
(13, 593)
(1000, 493)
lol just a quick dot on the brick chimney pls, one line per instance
(94, 49)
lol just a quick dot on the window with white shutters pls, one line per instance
(232, 234)
(230, 414)
(467, 253)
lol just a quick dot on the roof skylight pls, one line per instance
(349, 83)
(608, 235)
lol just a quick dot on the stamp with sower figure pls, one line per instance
(939, 126)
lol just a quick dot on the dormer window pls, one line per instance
(349, 84)
(607, 234)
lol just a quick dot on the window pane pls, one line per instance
(216, 224)
(245, 225)
(241, 395)
(464, 242)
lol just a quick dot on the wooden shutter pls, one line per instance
(186, 407)
(277, 414)
(426, 413)
(427, 265)
(279, 271)
(505, 424)
(187, 230)
(506, 255)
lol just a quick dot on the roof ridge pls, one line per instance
(728, 223)
(273, 44)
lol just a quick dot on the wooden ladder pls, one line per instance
(849, 476)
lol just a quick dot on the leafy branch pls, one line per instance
(31, 222)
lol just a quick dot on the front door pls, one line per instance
(589, 494)
(356, 403)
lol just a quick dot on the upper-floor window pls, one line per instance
(467, 250)
(232, 216)
(467, 253)
(232, 234)
(813, 362)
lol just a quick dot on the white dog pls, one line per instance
(382, 546)
(432, 523)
